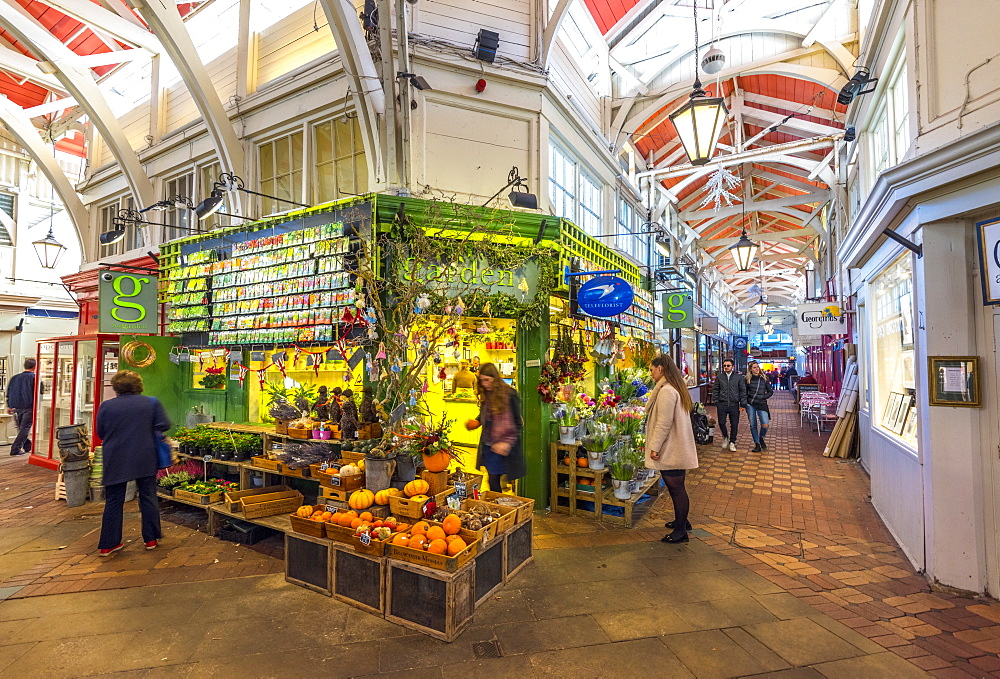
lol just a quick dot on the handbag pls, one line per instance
(164, 456)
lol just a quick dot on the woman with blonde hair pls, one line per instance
(758, 391)
(500, 417)
(670, 446)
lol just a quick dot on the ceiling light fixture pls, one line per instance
(743, 251)
(699, 122)
(229, 182)
(761, 306)
(48, 249)
(520, 197)
(854, 86)
(417, 81)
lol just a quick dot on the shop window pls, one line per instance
(7, 206)
(562, 183)
(340, 161)
(590, 205)
(105, 222)
(634, 246)
(888, 133)
(894, 405)
(279, 164)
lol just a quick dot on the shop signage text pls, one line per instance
(989, 260)
(128, 303)
(824, 318)
(463, 277)
(605, 296)
(678, 310)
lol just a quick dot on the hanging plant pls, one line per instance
(214, 378)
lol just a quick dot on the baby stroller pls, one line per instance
(699, 425)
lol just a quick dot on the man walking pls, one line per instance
(729, 393)
(20, 403)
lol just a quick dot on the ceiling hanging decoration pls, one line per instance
(720, 189)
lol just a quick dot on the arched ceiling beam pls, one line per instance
(14, 62)
(79, 83)
(787, 236)
(163, 19)
(27, 136)
(369, 98)
(96, 17)
(552, 30)
(816, 196)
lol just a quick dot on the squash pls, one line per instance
(349, 470)
(416, 487)
(420, 498)
(438, 462)
(305, 511)
(361, 499)
(382, 497)
(456, 546)
(452, 524)
(438, 546)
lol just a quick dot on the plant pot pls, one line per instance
(621, 490)
(595, 459)
(406, 468)
(378, 473)
(567, 435)
(322, 434)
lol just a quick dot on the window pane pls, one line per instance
(359, 144)
(324, 143)
(282, 156)
(345, 143)
(326, 189)
(360, 173)
(345, 176)
(297, 151)
(266, 162)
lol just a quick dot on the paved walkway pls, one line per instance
(790, 574)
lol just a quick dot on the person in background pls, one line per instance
(783, 377)
(670, 445)
(772, 377)
(790, 374)
(500, 417)
(128, 426)
(464, 378)
(475, 364)
(729, 393)
(758, 391)
(807, 379)
(21, 404)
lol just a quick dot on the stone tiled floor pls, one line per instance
(790, 574)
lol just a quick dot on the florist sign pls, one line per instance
(824, 318)
(459, 278)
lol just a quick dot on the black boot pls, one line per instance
(670, 524)
(763, 444)
(756, 447)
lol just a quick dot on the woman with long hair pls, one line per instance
(758, 391)
(500, 417)
(670, 446)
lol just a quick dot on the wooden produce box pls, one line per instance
(308, 527)
(437, 603)
(233, 498)
(349, 483)
(525, 506)
(413, 509)
(333, 494)
(437, 481)
(301, 472)
(466, 482)
(281, 427)
(518, 549)
(358, 579)
(198, 498)
(441, 562)
(350, 456)
(508, 515)
(300, 433)
(262, 462)
(307, 562)
(270, 504)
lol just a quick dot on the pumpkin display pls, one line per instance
(361, 499)
(451, 524)
(456, 546)
(382, 497)
(305, 511)
(350, 470)
(438, 462)
(416, 487)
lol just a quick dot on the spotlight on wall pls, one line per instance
(519, 197)
(210, 205)
(487, 43)
(855, 85)
(416, 80)
(850, 134)
(112, 237)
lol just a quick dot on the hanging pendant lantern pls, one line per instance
(49, 250)
(744, 252)
(699, 124)
(761, 307)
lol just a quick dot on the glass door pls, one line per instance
(86, 382)
(42, 441)
(65, 355)
(109, 366)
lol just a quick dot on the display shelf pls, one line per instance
(182, 501)
(599, 499)
(198, 458)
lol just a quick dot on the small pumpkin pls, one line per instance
(349, 470)
(438, 462)
(438, 546)
(582, 462)
(452, 524)
(420, 498)
(382, 497)
(305, 511)
(416, 487)
(361, 499)
(456, 546)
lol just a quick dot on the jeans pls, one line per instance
(765, 418)
(733, 414)
(22, 419)
(114, 504)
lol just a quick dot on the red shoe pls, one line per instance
(109, 552)
(151, 544)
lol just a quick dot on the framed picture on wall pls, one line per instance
(904, 408)
(891, 409)
(910, 425)
(906, 322)
(954, 381)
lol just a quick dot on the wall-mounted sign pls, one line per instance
(740, 343)
(823, 318)
(989, 260)
(605, 296)
(678, 310)
(461, 278)
(709, 325)
(128, 303)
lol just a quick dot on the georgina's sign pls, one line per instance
(824, 318)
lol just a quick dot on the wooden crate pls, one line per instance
(441, 562)
(413, 509)
(198, 498)
(650, 487)
(490, 569)
(465, 482)
(232, 499)
(358, 579)
(572, 493)
(262, 462)
(525, 505)
(307, 526)
(307, 562)
(350, 456)
(332, 504)
(518, 549)
(433, 602)
(508, 515)
(301, 473)
(437, 481)
(355, 482)
(270, 504)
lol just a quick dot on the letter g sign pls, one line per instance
(127, 287)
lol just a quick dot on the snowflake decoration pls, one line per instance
(720, 189)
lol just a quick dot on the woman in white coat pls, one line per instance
(670, 446)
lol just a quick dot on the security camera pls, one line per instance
(106, 276)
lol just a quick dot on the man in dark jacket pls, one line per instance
(729, 393)
(21, 404)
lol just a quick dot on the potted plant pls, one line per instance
(201, 441)
(621, 474)
(247, 446)
(214, 378)
(597, 442)
(567, 419)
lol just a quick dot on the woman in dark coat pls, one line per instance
(126, 426)
(500, 448)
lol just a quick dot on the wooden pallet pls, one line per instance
(650, 487)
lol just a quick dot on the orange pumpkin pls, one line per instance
(438, 462)
(437, 547)
(416, 487)
(435, 533)
(418, 541)
(472, 424)
(361, 499)
(420, 527)
(382, 497)
(366, 517)
(581, 462)
(401, 539)
(456, 546)
(452, 524)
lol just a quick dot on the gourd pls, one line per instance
(416, 487)
(349, 470)
(452, 524)
(361, 499)
(382, 497)
(305, 511)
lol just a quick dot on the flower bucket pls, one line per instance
(406, 468)
(567, 435)
(621, 489)
(595, 459)
(633, 486)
